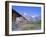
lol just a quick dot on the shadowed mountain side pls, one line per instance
(16, 13)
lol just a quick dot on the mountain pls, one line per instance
(32, 18)
(36, 18)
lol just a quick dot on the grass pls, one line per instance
(32, 27)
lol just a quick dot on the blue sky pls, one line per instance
(31, 11)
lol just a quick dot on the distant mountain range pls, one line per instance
(32, 18)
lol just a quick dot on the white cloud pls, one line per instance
(33, 16)
(25, 13)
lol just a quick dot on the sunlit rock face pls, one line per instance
(19, 23)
